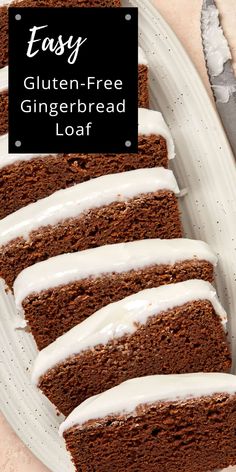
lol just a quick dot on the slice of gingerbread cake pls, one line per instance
(172, 329)
(143, 97)
(110, 209)
(3, 101)
(26, 178)
(57, 294)
(177, 423)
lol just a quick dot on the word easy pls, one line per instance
(57, 46)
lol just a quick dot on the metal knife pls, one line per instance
(224, 83)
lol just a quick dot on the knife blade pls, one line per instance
(219, 67)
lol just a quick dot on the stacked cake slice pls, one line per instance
(26, 178)
(171, 329)
(57, 294)
(177, 423)
(110, 209)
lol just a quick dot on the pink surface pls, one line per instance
(184, 18)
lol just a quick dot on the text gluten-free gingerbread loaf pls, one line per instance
(143, 95)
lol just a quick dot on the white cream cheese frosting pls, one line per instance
(150, 122)
(142, 60)
(8, 159)
(223, 92)
(5, 2)
(4, 78)
(120, 318)
(113, 258)
(217, 53)
(127, 396)
(73, 201)
(215, 44)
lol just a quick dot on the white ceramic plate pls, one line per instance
(204, 165)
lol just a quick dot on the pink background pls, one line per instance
(184, 18)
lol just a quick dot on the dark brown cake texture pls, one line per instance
(25, 182)
(61, 292)
(113, 345)
(26, 179)
(3, 112)
(143, 95)
(190, 427)
(110, 209)
(4, 35)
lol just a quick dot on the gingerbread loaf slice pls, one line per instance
(26, 178)
(166, 423)
(57, 294)
(110, 209)
(3, 101)
(143, 97)
(172, 329)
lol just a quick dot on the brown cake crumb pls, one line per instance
(188, 338)
(152, 215)
(25, 182)
(52, 312)
(3, 36)
(195, 435)
(3, 112)
(143, 96)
